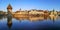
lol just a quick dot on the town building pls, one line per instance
(36, 13)
(26, 13)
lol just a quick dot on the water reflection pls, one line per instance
(53, 17)
(35, 22)
(9, 21)
(36, 18)
(32, 18)
(1, 17)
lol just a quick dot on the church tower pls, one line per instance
(9, 9)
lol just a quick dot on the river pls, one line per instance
(30, 23)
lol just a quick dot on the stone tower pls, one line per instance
(9, 16)
(9, 9)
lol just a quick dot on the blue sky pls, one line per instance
(30, 4)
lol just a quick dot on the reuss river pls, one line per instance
(30, 23)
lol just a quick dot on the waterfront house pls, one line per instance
(21, 14)
(36, 13)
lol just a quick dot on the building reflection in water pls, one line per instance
(40, 18)
(53, 18)
(9, 21)
(32, 18)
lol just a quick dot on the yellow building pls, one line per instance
(21, 12)
(36, 13)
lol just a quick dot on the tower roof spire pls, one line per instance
(9, 7)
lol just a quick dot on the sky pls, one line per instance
(30, 4)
